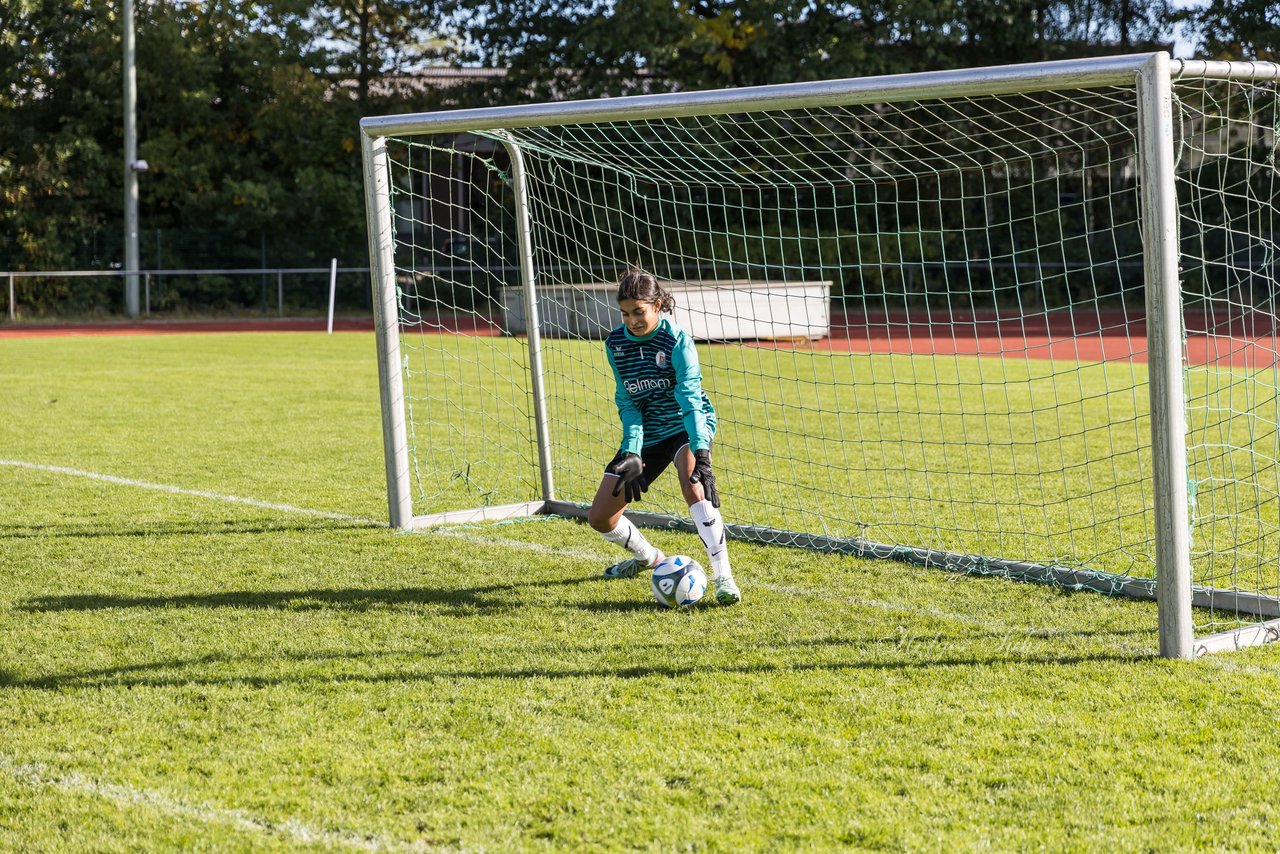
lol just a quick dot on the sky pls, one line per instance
(1182, 42)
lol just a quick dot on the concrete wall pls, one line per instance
(711, 311)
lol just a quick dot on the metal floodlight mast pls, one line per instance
(132, 166)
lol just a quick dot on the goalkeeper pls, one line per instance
(666, 418)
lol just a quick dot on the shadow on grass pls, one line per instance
(485, 598)
(113, 675)
(171, 529)
(867, 654)
(628, 607)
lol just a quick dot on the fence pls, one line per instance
(150, 276)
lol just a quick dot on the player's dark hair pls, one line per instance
(642, 286)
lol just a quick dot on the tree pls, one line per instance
(54, 142)
(250, 143)
(248, 112)
(612, 47)
(375, 38)
(246, 138)
(1237, 29)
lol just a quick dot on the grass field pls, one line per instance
(209, 642)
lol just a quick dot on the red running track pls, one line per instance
(1241, 341)
(174, 327)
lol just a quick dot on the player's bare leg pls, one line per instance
(710, 525)
(606, 516)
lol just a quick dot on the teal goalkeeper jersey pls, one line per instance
(659, 387)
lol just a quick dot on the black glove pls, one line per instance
(630, 471)
(702, 474)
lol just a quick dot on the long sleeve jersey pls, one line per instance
(659, 387)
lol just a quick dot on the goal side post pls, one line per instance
(1164, 349)
(386, 319)
(387, 327)
(537, 376)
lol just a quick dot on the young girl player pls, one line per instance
(666, 418)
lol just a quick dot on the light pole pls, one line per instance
(132, 166)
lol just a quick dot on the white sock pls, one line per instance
(629, 537)
(711, 529)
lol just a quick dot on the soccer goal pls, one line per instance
(1017, 321)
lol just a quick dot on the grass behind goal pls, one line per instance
(1050, 465)
(184, 669)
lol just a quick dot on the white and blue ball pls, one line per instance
(679, 582)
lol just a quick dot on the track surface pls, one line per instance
(1249, 341)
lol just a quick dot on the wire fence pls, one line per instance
(269, 296)
(284, 291)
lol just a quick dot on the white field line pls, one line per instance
(38, 776)
(161, 487)
(1227, 664)
(586, 555)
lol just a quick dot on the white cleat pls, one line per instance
(727, 592)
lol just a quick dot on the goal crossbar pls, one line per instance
(888, 88)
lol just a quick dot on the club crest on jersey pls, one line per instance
(660, 359)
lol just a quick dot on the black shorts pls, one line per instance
(659, 455)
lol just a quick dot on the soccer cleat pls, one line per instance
(631, 567)
(727, 590)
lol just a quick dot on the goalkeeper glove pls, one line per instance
(702, 474)
(630, 471)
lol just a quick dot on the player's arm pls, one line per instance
(688, 391)
(684, 358)
(628, 413)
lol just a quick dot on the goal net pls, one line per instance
(938, 317)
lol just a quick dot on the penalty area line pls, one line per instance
(198, 493)
(38, 776)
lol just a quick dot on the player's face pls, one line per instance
(640, 317)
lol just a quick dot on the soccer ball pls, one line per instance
(679, 582)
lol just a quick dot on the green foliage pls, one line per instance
(248, 111)
(56, 133)
(624, 46)
(246, 140)
(374, 38)
(1237, 29)
(250, 129)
